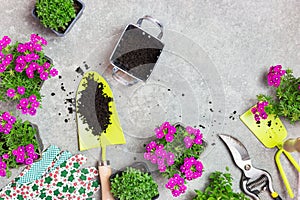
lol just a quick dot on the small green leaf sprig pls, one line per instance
(219, 188)
(286, 102)
(132, 184)
(55, 14)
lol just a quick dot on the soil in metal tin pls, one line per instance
(93, 106)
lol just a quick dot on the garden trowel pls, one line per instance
(271, 133)
(91, 133)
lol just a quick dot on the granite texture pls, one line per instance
(216, 54)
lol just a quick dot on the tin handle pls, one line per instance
(117, 77)
(155, 21)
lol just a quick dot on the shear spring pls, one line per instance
(258, 185)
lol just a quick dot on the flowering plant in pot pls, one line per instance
(176, 151)
(286, 100)
(19, 143)
(58, 15)
(133, 183)
(23, 69)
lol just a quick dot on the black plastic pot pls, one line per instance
(78, 3)
(137, 165)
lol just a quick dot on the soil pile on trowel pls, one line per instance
(93, 106)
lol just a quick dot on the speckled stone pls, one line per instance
(211, 69)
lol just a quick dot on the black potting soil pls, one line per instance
(93, 106)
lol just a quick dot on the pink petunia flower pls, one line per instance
(32, 98)
(53, 72)
(5, 156)
(44, 75)
(2, 172)
(10, 93)
(21, 90)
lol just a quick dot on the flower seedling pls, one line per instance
(18, 144)
(176, 152)
(23, 69)
(286, 102)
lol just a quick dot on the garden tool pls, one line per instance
(113, 133)
(271, 133)
(254, 181)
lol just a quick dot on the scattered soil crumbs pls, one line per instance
(93, 106)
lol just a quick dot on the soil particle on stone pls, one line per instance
(211, 110)
(269, 123)
(52, 94)
(79, 71)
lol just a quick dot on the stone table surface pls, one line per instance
(213, 65)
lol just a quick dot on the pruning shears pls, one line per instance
(254, 181)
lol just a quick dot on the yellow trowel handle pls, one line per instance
(281, 171)
(104, 173)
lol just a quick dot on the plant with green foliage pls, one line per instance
(55, 14)
(132, 184)
(18, 143)
(286, 102)
(219, 188)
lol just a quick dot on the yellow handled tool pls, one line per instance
(271, 133)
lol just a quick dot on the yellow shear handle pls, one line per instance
(282, 173)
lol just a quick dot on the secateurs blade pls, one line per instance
(254, 181)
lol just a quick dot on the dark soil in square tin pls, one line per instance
(93, 106)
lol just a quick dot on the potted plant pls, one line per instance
(285, 102)
(134, 182)
(19, 143)
(23, 69)
(176, 152)
(219, 187)
(60, 15)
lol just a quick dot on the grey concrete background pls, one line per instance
(215, 57)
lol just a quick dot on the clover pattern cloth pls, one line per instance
(62, 179)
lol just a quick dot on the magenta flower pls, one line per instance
(176, 185)
(20, 59)
(24, 111)
(32, 111)
(44, 42)
(53, 72)
(10, 93)
(2, 164)
(2, 68)
(169, 137)
(2, 172)
(21, 48)
(259, 111)
(34, 38)
(35, 104)
(21, 90)
(46, 65)
(12, 120)
(33, 65)
(32, 98)
(44, 75)
(274, 75)
(20, 159)
(28, 161)
(40, 69)
(191, 168)
(19, 67)
(15, 152)
(5, 156)
(24, 102)
(5, 116)
(37, 47)
(298, 87)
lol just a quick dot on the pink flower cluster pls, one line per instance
(25, 155)
(6, 122)
(5, 60)
(28, 59)
(28, 105)
(11, 93)
(259, 111)
(274, 75)
(191, 168)
(176, 185)
(158, 155)
(194, 137)
(165, 130)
